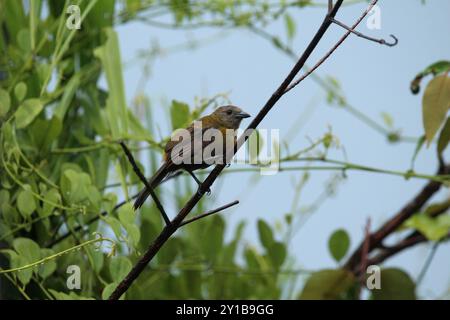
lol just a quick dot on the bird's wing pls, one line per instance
(191, 150)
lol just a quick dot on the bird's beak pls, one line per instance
(243, 115)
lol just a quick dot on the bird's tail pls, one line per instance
(154, 181)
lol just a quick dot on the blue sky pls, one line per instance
(374, 78)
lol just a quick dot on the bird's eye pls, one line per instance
(229, 112)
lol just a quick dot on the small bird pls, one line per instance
(223, 118)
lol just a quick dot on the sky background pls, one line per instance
(374, 78)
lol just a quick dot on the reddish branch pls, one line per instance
(377, 237)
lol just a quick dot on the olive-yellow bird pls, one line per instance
(223, 118)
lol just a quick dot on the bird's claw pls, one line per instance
(201, 193)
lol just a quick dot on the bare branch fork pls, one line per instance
(171, 228)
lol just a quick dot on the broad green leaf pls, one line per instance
(444, 137)
(52, 198)
(115, 226)
(277, 254)
(5, 102)
(116, 106)
(338, 244)
(27, 249)
(75, 186)
(46, 269)
(126, 214)
(44, 132)
(96, 258)
(327, 284)
(119, 268)
(432, 228)
(179, 114)
(265, 234)
(27, 112)
(26, 202)
(395, 285)
(25, 275)
(127, 218)
(24, 40)
(435, 104)
(102, 14)
(20, 91)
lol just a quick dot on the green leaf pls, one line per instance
(179, 114)
(126, 214)
(52, 198)
(265, 234)
(277, 254)
(102, 14)
(435, 104)
(44, 132)
(432, 228)
(116, 106)
(115, 226)
(127, 218)
(290, 26)
(5, 102)
(27, 112)
(338, 244)
(47, 269)
(327, 284)
(109, 289)
(395, 285)
(119, 268)
(75, 186)
(25, 202)
(27, 249)
(444, 137)
(20, 91)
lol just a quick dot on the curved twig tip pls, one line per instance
(393, 44)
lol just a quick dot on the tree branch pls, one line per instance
(145, 182)
(392, 225)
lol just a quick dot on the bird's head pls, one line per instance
(229, 116)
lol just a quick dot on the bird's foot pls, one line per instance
(201, 193)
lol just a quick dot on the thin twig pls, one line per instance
(208, 213)
(359, 34)
(331, 51)
(192, 202)
(145, 182)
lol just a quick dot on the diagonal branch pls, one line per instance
(145, 182)
(204, 187)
